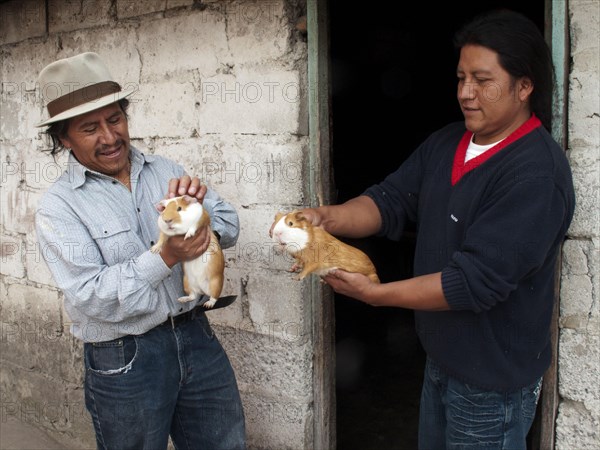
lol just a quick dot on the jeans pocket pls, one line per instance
(205, 325)
(111, 357)
(529, 400)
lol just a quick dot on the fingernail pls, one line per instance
(192, 190)
(181, 191)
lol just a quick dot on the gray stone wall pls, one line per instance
(219, 88)
(578, 422)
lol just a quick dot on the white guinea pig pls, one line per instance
(315, 250)
(205, 274)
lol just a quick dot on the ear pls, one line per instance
(299, 216)
(189, 199)
(278, 216)
(65, 141)
(524, 89)
(160, 206)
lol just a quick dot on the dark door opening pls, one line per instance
(393, 83)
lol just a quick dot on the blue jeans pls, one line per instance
(455, 415)
(168, 381)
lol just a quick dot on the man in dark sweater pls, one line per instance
(492, 198)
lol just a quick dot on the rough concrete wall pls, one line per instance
(578, 423)
(219, 89)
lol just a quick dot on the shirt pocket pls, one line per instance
(115, 241)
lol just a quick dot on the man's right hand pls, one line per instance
(178, 249)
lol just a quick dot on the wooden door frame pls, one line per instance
(557, 36)
(320, 188)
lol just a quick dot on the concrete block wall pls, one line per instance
(220, 89)
(578, 421)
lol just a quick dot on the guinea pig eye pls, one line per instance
(179, 208)
(290, 223)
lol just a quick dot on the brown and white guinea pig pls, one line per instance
(205, 274)
(316, 250)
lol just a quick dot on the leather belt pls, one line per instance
(180, 319)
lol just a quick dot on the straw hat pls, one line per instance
(77, 85)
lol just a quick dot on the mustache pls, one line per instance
(103, 148)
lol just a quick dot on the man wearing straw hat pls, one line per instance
(153, 366)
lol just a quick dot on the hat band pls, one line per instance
(80, 96)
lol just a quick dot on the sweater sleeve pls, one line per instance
(397, 196)
(517, 231)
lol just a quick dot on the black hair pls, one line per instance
(58, 130)
(522, 52)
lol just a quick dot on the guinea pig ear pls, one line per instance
(299, 216)
(189, 199)
(160, 206)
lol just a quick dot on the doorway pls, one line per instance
(393, 83)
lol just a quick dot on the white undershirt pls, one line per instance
(474, 150)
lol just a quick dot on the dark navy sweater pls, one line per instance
(493, 228)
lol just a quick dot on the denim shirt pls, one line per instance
(95, 236)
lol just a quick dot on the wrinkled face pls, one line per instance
(100, 140)
(493, 103)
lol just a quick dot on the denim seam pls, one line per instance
(95, 416)
(183, 430)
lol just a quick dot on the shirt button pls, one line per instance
(138, 209)
(151, 242)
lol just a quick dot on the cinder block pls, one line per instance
(196, 44)
(246, 169)
(31, 328)
(578, 367)
(117, 48)
(69, 15)
(178, 3)
(277, 421)
(584, 28)
(22, 19)
(18, 200)
(133, 8)
(257, 31)
(277, 304)
(576, 427)
(264, 362)
(252, 102)
(586, 176)
(11, 254)
(164, 109)
(584, 109)
(37, 268)
(47, 402)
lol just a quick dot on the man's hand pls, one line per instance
(311, 214)
(354, 285)
(178, 249)
(186, 185)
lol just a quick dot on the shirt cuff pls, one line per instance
(152, 267)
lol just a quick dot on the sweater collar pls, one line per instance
(460, 168)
